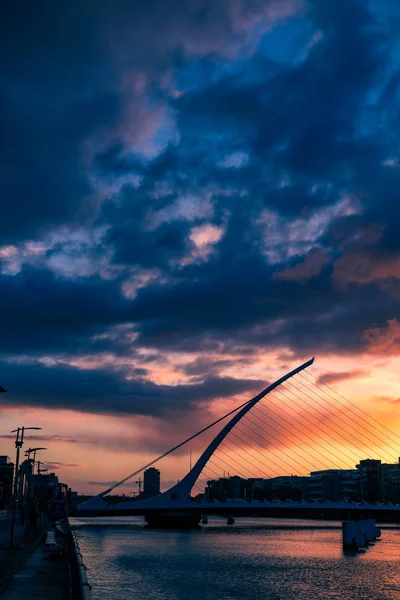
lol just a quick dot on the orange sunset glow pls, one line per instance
(196, 200)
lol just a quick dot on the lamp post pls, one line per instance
(40, 491)
(19, 440)
(39, 470)
(32, 462)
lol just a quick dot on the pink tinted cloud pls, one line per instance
(310, 267)
(385, 340)
(387, 399)
(332, 378)
(363, 267)
(244, 14)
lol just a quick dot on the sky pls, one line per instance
(196, 197)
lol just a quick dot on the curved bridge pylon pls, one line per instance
(179, 494)
(181, 490)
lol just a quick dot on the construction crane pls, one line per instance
(139, 483)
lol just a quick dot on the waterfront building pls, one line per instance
(391, 483)
(227, 487)
(151, 483)
(217, 489)
(379, 482)
(256, 488)
(6, 481)
(371, 480)
(236, 487)
(25, 479)
(335, 485)
(290, 487)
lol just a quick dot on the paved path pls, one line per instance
(40, 578)
(12, 561)
(18, 535)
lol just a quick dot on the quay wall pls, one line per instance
(80, 588)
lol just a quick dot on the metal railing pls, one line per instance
(80, 587)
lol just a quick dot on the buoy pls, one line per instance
(204, 520)
(230, 520)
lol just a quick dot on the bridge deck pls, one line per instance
(327, 510)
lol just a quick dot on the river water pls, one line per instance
(260, 559)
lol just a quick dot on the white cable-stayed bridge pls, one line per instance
(295, 426)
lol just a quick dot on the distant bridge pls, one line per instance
(189, 512)
(176, 507)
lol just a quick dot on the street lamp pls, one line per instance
(32, 462)
(19, 440)
(39, 470)
(29, 452)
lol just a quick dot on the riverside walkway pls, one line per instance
(40, 578)
(25, 570)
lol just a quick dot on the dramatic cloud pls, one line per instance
(311, 266)
(332, 378)
(188, 187)
(107, 391)
(385, 340)
(60, 465)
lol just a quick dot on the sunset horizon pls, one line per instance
(196, 199)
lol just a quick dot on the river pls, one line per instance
(260, 559)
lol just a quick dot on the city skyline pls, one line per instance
(275, 438)
(196, 198)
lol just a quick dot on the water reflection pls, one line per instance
(256, 558)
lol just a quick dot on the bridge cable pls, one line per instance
(352, 420)
(258, 451)
(348, 416)
(192, 437)
(279, 449)
(298, 437)
(396, 439)
(264, 448)
(254, 457)
(291, 433)
(315, 410)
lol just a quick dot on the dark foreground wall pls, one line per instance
(80, 588)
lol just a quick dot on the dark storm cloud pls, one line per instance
(62, 69)
(42, 312)
(303, 118)
(109, 391)
(137, 244)
(308, 133)
(246, 306)
(206, 367)
(52, 438)
(60, 465)
(54, 98)
(306, 119)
